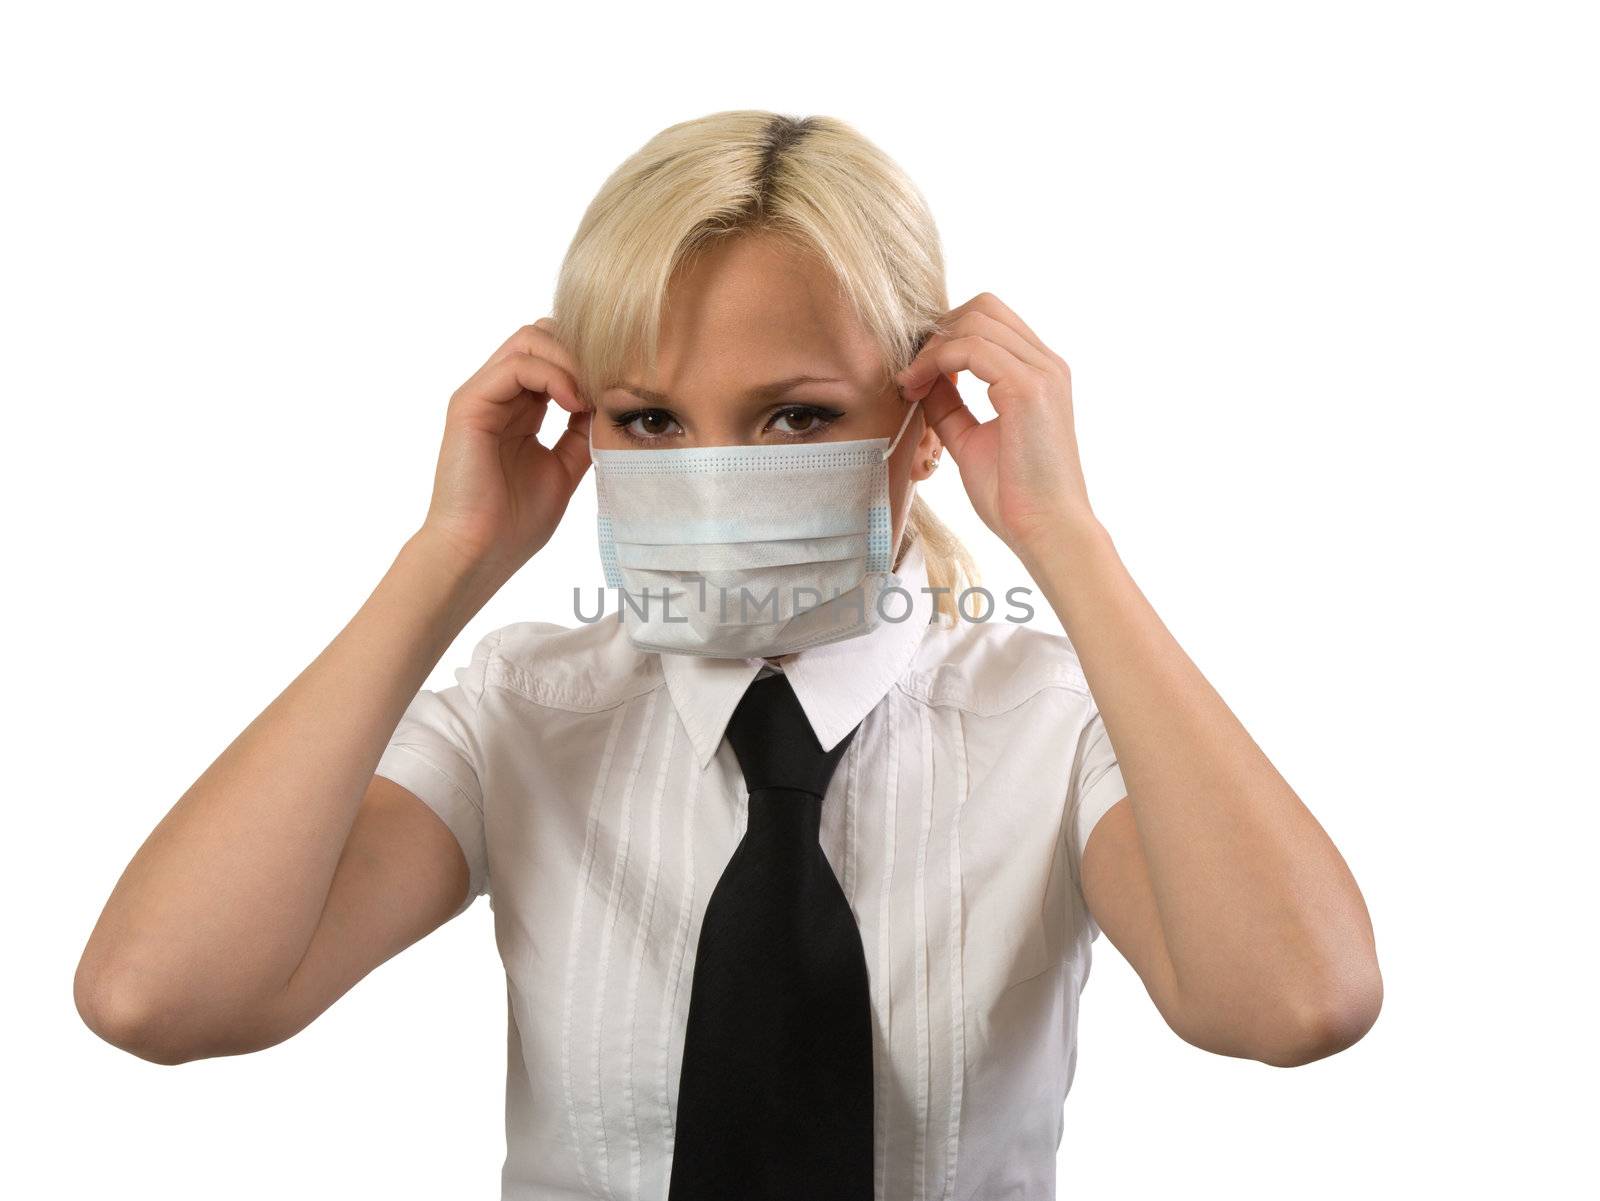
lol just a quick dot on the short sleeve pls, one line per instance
(1096, 786)
(436, 754)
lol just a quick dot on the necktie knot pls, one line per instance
(775, 744)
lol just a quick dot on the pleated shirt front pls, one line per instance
(596, 803)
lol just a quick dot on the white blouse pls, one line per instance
(596, 802)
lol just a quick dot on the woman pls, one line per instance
(797, 903)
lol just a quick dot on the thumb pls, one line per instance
(571, 449)
(944, 410)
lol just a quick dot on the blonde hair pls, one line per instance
(814, 181)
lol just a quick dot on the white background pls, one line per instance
(1326, 277)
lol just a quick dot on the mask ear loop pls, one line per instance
(910, 409)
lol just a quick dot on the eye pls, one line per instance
(645, 425)
(799, 421)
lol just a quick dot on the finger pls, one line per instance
(949, 418)
(975, 323)
(572, 448)
(902, 391)
(557, 352)
(999, 332)
(992, 306)
(539, 339)
(528, 416)
(542, 333)
(521, 341)
(990, 362)
(500, 383)
(508, 420)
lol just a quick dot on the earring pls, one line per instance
(930, 464)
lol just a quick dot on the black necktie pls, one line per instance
(775, 1098)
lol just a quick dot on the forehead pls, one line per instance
(753, 308)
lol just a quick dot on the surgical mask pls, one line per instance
(746, 551)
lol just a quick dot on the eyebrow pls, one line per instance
(766, 391)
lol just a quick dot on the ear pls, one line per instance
(928, 451)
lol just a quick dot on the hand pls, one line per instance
(1020, 468)
(498, 493)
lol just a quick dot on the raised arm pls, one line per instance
(1215, 881)
(288, 871)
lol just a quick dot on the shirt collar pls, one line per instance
(837, 683)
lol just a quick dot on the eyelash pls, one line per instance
(824, 415)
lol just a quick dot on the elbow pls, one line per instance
(114, 1005)
(1334, 1019)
